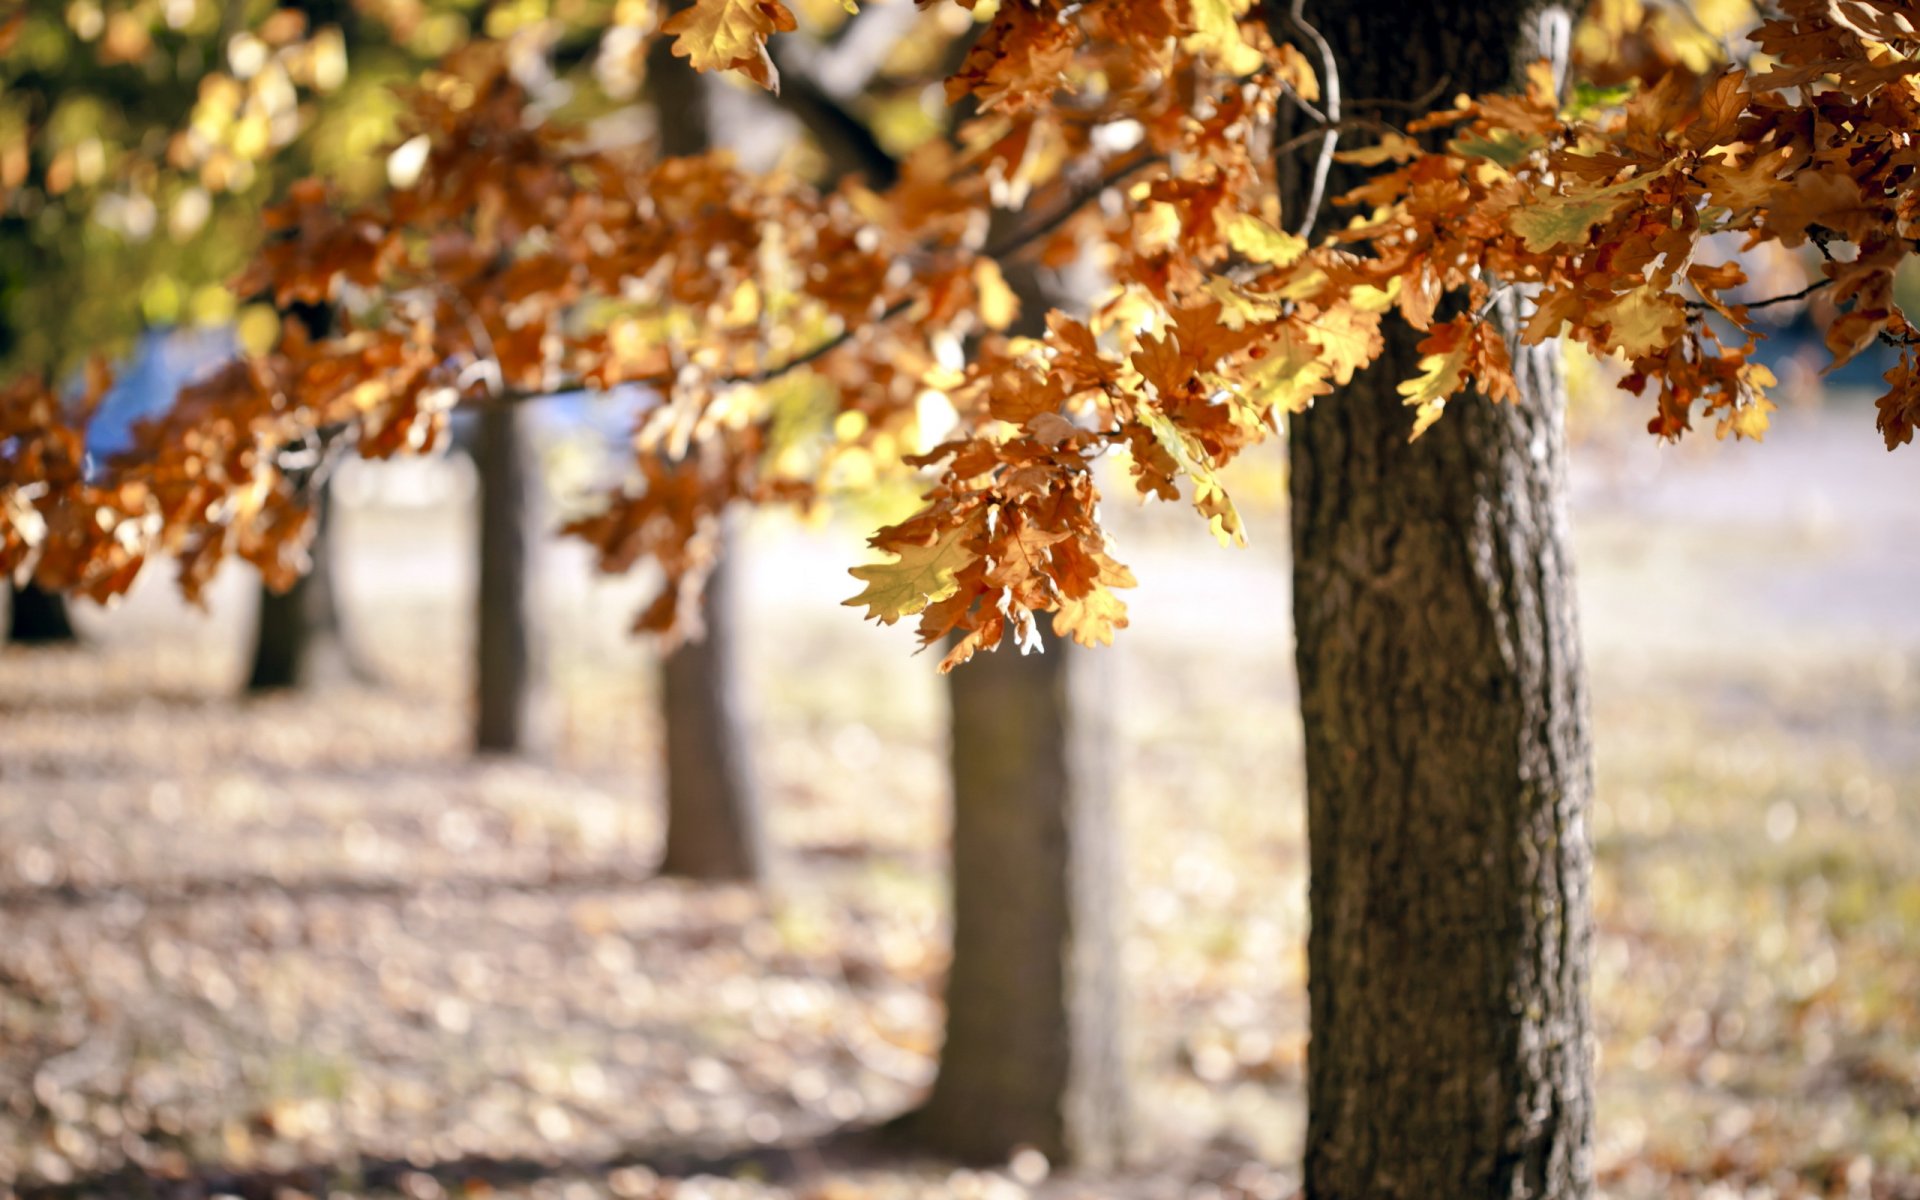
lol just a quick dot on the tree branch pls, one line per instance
(845, 137)
(1802, 294)
(1018, 241)
(1330, 89)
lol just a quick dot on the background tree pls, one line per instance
(715, 826)
(37, 617)
(510, 662)
(297, 633)
(527, 256)
(1034, 1049)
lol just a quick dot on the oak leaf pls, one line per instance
(918, 576)
(720, 35)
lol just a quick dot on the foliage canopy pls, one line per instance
(517, 253)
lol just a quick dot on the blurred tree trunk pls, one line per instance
(509, 661)
(1448, 762)
(37, 617)
(1034, 1051)
(714, 825)
(298, 634)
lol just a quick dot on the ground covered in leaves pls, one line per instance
(308, 946)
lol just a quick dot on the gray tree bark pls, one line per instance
(1034, 1053)
(714, 826)
(510, 669)
(1448, 759)
(37, 617)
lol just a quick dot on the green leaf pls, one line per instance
(1505, 147)
(918, 576)
(1562, 220)
(1591, 98)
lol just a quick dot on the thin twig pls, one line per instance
(1312, 135)
(1423, 103)
(1802, 294)
(1303, 104)
(1330, 88)
(1033, 233)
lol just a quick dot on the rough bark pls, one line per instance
(510, 666)
(714, 825)
(1448, 762)
(298, 636)
(1034, 1048)
(37, 617)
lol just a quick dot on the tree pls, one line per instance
(37, 617)
(715, 828)
(1034, 1054)
(1444, 707)
(1433, 622)
(1034, 1048)
(509, 676)
(297, 632)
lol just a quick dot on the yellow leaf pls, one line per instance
(1348, 338)
(1392, 147)
(998, 305)
(1288, 377)
(1091, 619)
(1262, 242)
(719, 35)
(1209, 497)
(1441, 375)
(1749, 420)
(1216, 30)
(918, 576)
(1643, 321)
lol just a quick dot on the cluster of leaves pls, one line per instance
(520, 257)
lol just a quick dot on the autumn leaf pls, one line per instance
(720, 35)
(1217, 32)
(918, 576)
(1209, 496)
(1348, 339)
(1091, 619)
(1287, 376)
(1563, 220)
(1643, 321)
(1263, 243)
(1750, 420)
(1443, 366)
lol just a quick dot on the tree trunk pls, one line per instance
(714, 825)
(1033, 1051)
(714, 828)
(1448, 761)
(510, 674)
(297, 633)
(39, 618)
